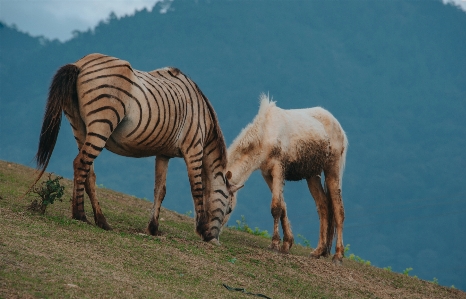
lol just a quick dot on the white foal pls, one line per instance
(294, 145)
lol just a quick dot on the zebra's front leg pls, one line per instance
(160, 189)
(90, 184)
(194, 164)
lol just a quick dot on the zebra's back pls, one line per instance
(144, 113)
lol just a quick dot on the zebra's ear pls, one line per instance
(234, 188)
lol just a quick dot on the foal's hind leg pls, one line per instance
(99, 217)
(332, 179)
(161, 166)
(275, 180)
(325, 216)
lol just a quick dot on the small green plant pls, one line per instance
(261, 233)
(347, 248)
(305, 242)
(48, 191)
(407, 270)
(241, 225)
(435, 281)
(232, 260)
(189, 213)
(389, 268)
(358, 259)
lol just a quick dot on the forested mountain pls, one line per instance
(392, 72)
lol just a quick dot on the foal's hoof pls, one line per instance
(314, 256)
(274, 247)
(337, 261)
(215, 242)
(285, 248)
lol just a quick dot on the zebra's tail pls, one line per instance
(62, 92)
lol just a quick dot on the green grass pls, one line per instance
(53, 256)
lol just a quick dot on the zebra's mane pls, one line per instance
(251, 134)
(219, 139)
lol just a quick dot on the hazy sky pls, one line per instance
(58, 18)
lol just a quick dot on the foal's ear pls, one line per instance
(234, 188)
(228, 175)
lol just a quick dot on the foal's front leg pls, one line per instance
(275, 181)
(160, 189)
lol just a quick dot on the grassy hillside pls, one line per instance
(53, 256)
(392, 72)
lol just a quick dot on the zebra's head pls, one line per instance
(232, 189)
(210, 223)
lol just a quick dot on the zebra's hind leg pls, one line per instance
(80, 174)
(161, 167)
(82, 166)
(90, 184)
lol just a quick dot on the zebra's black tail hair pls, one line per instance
(62, 92)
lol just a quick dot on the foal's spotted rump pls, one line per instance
(307, 161)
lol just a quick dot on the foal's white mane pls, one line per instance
(245, 151)
(253, 131)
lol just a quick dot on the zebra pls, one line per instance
(161, 113)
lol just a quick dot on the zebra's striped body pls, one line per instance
(139, 114)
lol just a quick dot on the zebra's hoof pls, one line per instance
(153, 229)
(101, 222)
(82, 218)
(104, 226)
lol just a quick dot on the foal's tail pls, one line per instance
(343, 156)
(62, 93)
